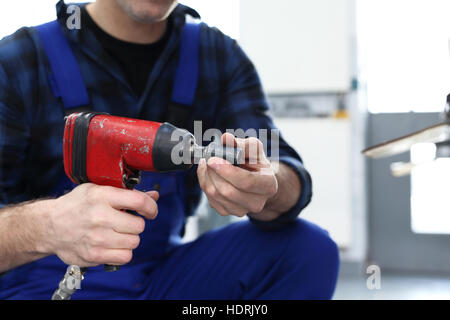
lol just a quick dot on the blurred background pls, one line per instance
(342, 75)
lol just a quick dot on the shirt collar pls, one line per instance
(178, 15)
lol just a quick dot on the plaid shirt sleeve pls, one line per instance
(246, 107)
(14, 135)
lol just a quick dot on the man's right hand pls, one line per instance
(88, 226)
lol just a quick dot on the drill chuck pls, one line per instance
(233, 155)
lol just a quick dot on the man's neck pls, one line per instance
(114, 21)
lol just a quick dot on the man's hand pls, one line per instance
(88, 226)
(233, 190)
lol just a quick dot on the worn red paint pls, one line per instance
(113, 145)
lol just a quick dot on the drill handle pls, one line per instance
(110, 267)
(130, 180)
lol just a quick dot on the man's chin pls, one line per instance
(148, 17)
(148, 12)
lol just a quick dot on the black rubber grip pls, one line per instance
(167, 139)
(110, 268)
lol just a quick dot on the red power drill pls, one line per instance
(110, 150)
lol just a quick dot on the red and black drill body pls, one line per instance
(110, 150)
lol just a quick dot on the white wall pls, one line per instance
(298, 45)
(223, 14)
(404, 54)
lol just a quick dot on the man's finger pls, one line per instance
(242, 179)
(216, 201)
(115, 240)
(219, 208)
(133, 200)
(153, 194)
(228, 206)
(239, 202)
(253, 148)
(116, 256)
(124, 222)
(201, 173)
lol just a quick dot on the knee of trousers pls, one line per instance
(299, 259)
(299, 243)
(309, 247)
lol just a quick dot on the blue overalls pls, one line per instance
(239, 261)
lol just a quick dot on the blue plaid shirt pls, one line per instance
(229, 95)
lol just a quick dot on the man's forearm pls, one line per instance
(22, 231)
(289, 190)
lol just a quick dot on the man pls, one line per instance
(127, 51)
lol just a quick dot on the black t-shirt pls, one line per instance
(135, 60)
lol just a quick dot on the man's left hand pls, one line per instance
(233, 190)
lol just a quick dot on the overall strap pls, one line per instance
(179, 112)
(186, 76)
(66, 80)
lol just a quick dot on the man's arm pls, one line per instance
(22, 233)
(86, 227)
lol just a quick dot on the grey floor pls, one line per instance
(394, 286)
